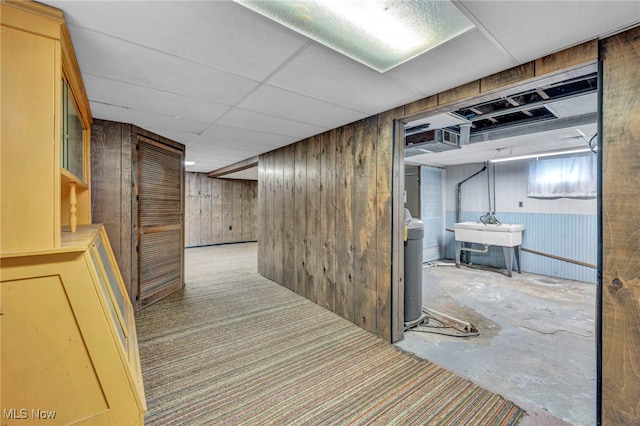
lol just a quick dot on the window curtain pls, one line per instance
(567, 177)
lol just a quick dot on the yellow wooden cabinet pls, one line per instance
(44, 110)
(69, 345)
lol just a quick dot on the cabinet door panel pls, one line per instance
(30, 156)
(42, 345)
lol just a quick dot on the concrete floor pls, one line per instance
(536, 345)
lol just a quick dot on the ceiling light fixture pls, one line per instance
(540, 155)
(379, 34)
(189, 163)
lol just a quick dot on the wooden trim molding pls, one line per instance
(567, 58)
(397, 254)
(620, 275)
(572, 62)
(235, 167)
(33, 17)
(513, 75)
(71, 72)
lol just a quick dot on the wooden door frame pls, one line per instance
(397, 238)
(416, 214)
(618, 387)
(583, 64)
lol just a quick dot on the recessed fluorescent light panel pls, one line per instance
(379, 34)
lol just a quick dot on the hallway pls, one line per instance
(233, 347)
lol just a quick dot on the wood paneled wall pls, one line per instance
(112, 198)
(114, 188)
(330, 228)
(621, 229)
(325, 220)
(219, 210)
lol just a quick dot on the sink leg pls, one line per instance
(517, 252)
(508, 257)
(458, 250)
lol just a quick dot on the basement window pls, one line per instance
(564, 177)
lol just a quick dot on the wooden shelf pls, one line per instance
(70, 242)
(66, 177)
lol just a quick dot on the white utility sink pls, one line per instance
(505, 234)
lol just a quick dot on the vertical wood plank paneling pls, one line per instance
(328, 183)
(214, 205)
(111, 201)
(227, 210)
(368, 168)
(269, 208)
(187, 209)
(135, 218)
(254, 210)
(193, 210)
(246, 211)
(313, 219)
(126, 218)
(620, 223)
(364, 222)
(344, 302)
(288, 223)
(327, 294)
(217, 190)
(384, 230)
(397, 246)
(106, 168)
(278, 216)
(300, 208)
(205, 209)
(262, 213)
(236, 218)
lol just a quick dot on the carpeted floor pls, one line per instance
(235, 348)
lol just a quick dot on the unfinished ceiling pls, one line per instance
(554, 117)
(231, 84)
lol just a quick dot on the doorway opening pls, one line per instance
(527, 159)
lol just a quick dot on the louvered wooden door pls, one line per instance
(160, 230)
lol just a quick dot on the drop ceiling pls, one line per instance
(231, 84)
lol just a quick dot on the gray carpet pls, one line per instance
(235, 348)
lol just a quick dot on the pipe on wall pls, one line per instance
(484, 249)
(459, 202)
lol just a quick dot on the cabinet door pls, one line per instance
(29, 133)
(160, 230)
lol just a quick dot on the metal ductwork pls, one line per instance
(554, 107)
(429, 141)
(465, 133)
